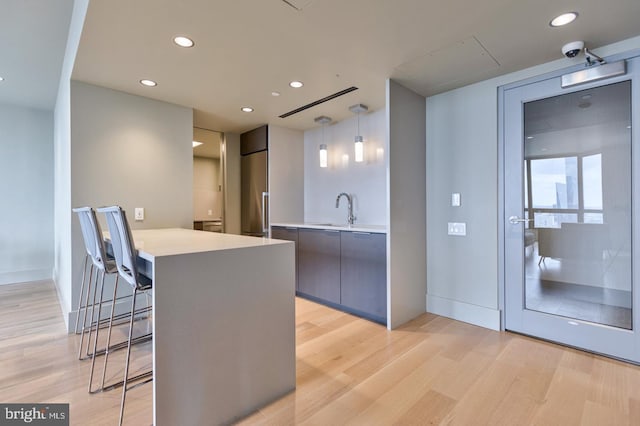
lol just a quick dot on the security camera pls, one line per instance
(573, 49)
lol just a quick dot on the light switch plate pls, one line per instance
(455, 199)
(457, 228)
(139, 213)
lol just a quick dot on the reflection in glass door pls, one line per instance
(579, 265)
(569, 246)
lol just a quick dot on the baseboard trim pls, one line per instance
(465, 312)
(29, 275)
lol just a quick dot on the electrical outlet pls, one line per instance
(457, 228)
(210, 212)
(139, 213)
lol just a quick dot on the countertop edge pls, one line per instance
(373, 229)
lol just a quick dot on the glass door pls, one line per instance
(569, 246)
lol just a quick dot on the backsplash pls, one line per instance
(366, 181)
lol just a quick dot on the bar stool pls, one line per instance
(94, 245)
(80, 307)
(126, 257)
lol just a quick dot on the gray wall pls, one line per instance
(131, 151)
(232, 183)
(286, 175)
(207, 192)
(462, 157)
(406, 227)
(462, 152)
(26, 190)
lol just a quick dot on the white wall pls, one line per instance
(462, 154)
(406, 246)
(131, 151)
(62, 269)
(286, 175)
(26, 189)
(366, 181)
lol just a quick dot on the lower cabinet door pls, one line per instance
(287, 234)
(319, 264)
(363, 273)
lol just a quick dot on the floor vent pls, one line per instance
(318, 102)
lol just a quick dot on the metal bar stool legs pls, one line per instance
(84, 276)
(125, 382)
(86, 310)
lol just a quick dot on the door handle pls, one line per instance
(264, 218)
(516, 219)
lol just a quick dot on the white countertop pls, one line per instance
(152, 243)
(376, 229)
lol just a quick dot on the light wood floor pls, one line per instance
(349, 371)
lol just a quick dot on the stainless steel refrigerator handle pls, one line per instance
(265, 226)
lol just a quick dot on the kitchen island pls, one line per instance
(223, 323)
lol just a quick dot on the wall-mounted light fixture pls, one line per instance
(359, 141)
(323, 147)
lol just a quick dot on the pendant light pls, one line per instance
(323, 147)
(358, 141)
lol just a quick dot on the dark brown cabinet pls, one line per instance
(363, 273)
(255, 140)
(287, 234)
(319, 264)
(343, 269)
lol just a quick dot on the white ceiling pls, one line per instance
(33, 38)
(245, 49)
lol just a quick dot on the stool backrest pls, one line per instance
(124, 249)
(92, 235)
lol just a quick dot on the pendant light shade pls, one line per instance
(358, 141)
(324, 154)
(359, 147)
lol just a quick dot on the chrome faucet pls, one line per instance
(350, 218)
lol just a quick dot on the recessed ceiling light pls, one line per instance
(183, 41)
(148, 83)
(296, 84)
(275, 93)
(196, 143)
(564, 19)
(246, 109)
(1, 78)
